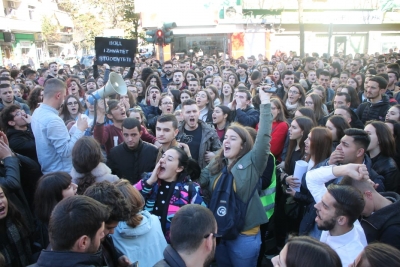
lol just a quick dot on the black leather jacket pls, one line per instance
(384, 225)
(386, 166)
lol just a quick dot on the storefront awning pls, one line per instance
(64, 19)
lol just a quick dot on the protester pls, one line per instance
(75, 229)
(381, 150)
(88, 167)
(108, 194)
(140, 237)
(15, 232)
(239, 151)
(134, 156)
(338, 208)
(51, 189)
(170, 186)
(53, 142)
(377, 254)
(304, 251)
(202, 140)
(193, 238)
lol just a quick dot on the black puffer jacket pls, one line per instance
(386, 166)
(384, 225)
(368, 111)
(130, 164)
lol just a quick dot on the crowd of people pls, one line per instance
(197, 163)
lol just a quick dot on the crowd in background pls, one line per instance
(120, 169)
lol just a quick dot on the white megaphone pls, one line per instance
(115, 85)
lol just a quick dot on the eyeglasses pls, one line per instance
(202, 96)
(214, 235)
(72, 103)
(293, 92)
(167, 103)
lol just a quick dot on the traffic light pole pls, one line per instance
(161, 53)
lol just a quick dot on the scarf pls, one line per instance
(17, 251)
(291, 107)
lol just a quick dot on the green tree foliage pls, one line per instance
(49, 30)
(86, 24)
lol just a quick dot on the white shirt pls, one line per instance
(348, 245)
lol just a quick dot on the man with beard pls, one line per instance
(338, 208)
(53, 142)
(75, 229)
(167, 77)
(193, 238)
(378, 102)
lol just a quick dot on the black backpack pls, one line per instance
(228, 209)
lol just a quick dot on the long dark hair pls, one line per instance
(304, 251)
(305, 124)
(49, 192)
(340, 124)
(86, 155)
(190, 166)
(355, 101)
(15, 215)
(386, 141)
(320, 144)
(64, 114)
(158, 80)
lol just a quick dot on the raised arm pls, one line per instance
(261, 148)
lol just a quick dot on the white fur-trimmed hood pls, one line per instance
(102, 172)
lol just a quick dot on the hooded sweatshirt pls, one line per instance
(145, 243)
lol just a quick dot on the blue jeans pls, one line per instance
(243, 251)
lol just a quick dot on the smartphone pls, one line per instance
(271, 90)
(288, 189)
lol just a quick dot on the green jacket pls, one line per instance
(248, 170)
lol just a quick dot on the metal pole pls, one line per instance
(330, 38)
(224, 48)
(161, 53)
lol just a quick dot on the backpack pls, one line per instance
(228, 209)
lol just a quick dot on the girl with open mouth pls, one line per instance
(170, 186)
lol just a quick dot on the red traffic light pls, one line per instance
(159, 33)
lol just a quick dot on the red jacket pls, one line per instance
(278, 137)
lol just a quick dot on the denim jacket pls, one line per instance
(53, 142)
